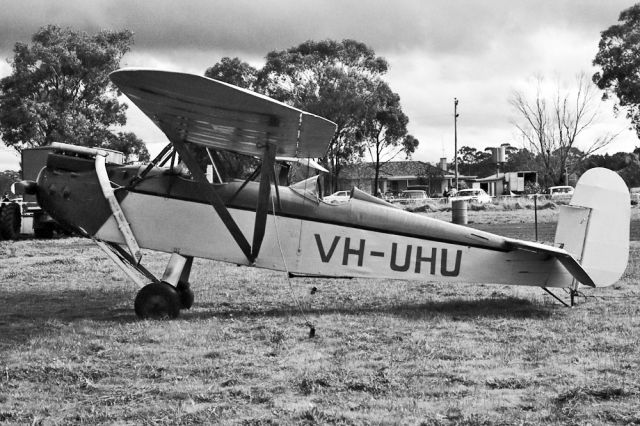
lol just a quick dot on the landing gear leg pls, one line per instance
(177, 274)
(162, 298)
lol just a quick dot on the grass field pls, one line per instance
(385, 352)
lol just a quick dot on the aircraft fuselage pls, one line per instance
(360, 238)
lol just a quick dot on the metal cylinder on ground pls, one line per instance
(459, 212)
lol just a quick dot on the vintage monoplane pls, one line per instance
(185, 203)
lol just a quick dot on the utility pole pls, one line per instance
(455, 137)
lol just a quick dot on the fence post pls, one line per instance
(535, 213)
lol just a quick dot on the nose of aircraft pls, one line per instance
(73, 199)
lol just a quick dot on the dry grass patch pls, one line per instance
(385, 351)
(508, 212)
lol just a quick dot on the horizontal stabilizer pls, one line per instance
(563, 256)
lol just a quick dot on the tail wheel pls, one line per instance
(157, 301)
(10, 218)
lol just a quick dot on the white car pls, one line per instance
(414, 194)
(337, 197)
(474, 195)
(560, 192)
(411, 196)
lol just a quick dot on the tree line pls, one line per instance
(59, 90)
(341, 81)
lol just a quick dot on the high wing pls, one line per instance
(196, 110)
(207, 112)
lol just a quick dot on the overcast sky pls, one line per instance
(477, 51)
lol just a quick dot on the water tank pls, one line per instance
(498, 155)
(459, 212)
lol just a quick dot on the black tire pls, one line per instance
(186, 295)
(157, 301)
(10, 218)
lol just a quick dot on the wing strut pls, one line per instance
(215, 200)
(264, 192)
(116, 210)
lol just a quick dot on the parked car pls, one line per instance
(411, 196)
(414, 194)
(560, 192)
(337, 197)
(424, 188)
(473, 194)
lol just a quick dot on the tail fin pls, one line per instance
(594, 227)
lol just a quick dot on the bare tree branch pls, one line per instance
(553, 128)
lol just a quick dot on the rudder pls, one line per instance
(594, 227)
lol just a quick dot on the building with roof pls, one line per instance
(506, 183)
(396, 176)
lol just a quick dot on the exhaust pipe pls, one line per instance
(28, 187)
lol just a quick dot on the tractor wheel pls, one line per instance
(10, 218)
(186, 295)
(157, 301)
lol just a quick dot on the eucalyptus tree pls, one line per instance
(385, 132)
(233, 71)
(335, 80)
(59, 90)
(618, 58)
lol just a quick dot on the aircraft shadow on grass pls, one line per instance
(49, 311)
(29, 314)
(458, 308)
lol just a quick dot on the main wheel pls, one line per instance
(186, 295)
(157, 301)
(10, 217)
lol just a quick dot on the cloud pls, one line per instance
(258, 27)
(478, 51)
